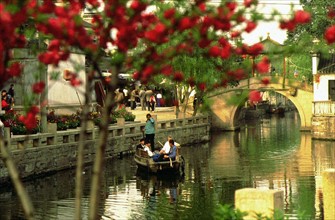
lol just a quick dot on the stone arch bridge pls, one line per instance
(225, 114)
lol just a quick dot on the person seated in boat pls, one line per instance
(166, 147)
(173, 151)
(147, 148)
(141, 144)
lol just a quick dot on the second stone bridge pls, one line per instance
(225, 115)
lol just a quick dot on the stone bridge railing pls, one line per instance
(324, 108)
(43, 153)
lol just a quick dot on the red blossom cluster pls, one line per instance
(164, 34)
(300, 17)
(330, 31)
(30, 120)
(10, 38)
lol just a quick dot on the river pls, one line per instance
(268, 153)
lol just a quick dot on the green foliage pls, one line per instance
(62, 124)
(319, 21)
(227, 212)
(73, 120)
(123, 113)
(52, 117)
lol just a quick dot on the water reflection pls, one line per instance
(269, 153)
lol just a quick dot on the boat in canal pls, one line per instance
(147, 164)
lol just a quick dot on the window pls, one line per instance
(331, 90)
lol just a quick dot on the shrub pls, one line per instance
(123, 113)
(73, 121)
(62, 124)
(52, 117)
(11, 120)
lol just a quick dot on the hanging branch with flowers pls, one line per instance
(145, 36)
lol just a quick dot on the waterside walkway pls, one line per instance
(49, 152)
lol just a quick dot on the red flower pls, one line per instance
(250, 26)
(75, 81)
(331, 13)
(231, 5)
(15, 69)
(263, 66)
(330, 34)
(239, 74)
(255, 96)
(30, 120)
(302, 17)
(169, 13)
(214, 51)
(202, 86)
(178, 76)
(54, 45)
(191, 82)
(255, 49)
(202, 7)
(223, 41)
(185, 23)
(167, 70)
(38, 87)
(138, 6)
(266, 81)
(147, 71)
(136, 75)
(289, 25)
(235, 34)
(248, 3)
(204, 42)
(225, 52)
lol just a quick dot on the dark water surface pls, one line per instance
(268, 153)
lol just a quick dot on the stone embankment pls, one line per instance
(40, 154)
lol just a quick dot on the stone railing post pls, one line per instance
(328, 189)
(259, 201)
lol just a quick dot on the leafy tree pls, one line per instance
(309, 37)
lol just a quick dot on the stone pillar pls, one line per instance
(155, 118)
(120, 121)
(253, 201)
(328, 188)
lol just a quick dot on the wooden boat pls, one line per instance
(146, 163)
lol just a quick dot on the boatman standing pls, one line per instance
(149, 131)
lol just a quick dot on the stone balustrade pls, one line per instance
(38, 154)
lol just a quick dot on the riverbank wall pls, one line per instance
(323, 127)
(40, 154)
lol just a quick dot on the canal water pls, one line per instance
(268, 153)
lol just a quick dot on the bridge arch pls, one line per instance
(225, 115)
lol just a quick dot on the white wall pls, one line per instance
(61, 92)
(321, 88)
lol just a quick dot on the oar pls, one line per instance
(160, 143)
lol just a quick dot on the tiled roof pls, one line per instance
(326, 64)
(272, 46)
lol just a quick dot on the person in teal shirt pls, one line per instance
(149, 131)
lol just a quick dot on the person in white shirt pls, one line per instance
(147, 147)
(166, 147)
(158, 99)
